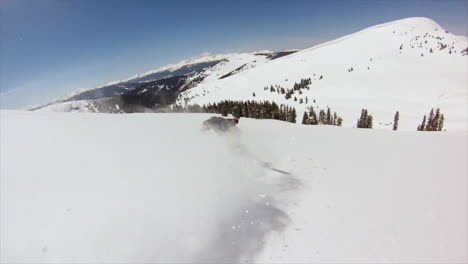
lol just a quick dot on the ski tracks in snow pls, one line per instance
(242, 235)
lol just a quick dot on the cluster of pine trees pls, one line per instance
(288, 93)
(324, 118)
(435, 122)
(365, 121)
(180, 109)
(304, 83)
(253, 109)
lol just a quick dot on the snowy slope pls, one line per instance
(384, 79)
(103, 188)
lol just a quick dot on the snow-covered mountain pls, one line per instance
(410, 65)
(190, 72)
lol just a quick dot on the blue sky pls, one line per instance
(49, 48)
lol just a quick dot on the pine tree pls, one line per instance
(361, 120)
(224, 111)
(339, 122)
(305, 119)
(369, 123)
(322, 117)
(441, 123)
(430, 120)
(422, 126)
(435, 122)
(245, 110)
(313, 117)
(365, 121)
(328, 118)
(395, 120)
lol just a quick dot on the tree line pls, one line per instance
(253, 109)
(434, 121)
(324, 118)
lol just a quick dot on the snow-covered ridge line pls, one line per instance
(175, 66)
(170, 67)
(408, 21)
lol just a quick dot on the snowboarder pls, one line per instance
(220, 124)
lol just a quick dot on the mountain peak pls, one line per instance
(420, 23)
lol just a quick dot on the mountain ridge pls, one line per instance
(357, 67)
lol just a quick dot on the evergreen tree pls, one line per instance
(328, 119)
(429, 121)
(395, 120)
(365, 121)
(224, 111)
(313, 117)
(422, 126)
(322, 117)
(441, 123)
(339, 122)
(361, 119)
(245, 110)
(305, 119)
(435, 121)
(293, 116)
(369, 122)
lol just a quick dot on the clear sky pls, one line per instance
(49, 48)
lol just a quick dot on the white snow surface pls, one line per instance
(154, 188)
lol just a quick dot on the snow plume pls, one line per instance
(171, 194)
